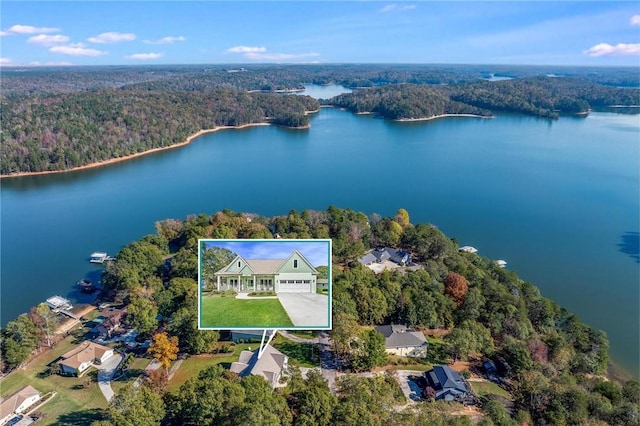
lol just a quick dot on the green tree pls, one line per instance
(184, 325)
(144, 314)
(136, 407)
(48, 321)
(212, 259)
(369, 351)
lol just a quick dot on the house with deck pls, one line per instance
(17, 403)
(77, 360)
(447, 383)
(403, 341)
(269, 365)
(295, 274)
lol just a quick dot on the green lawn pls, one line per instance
(191, 366)
(300, 354)
(136, 368)
(231, 312)
(78, 401)
(489, 388)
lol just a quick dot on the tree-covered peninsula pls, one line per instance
(553, 365)
(54, 132)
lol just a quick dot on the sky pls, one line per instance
(591, 33)
(316, 252)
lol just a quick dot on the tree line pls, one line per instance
(541, 96)
(67, 130)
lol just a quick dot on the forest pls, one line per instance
(556, 363)
(53, 132)
(61, 118)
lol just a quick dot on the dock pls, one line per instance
(60, 305)
(100, 257)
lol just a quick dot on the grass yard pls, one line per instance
(231, 312)
(489, 388)
(79, 400)
(191, 366)
(136, 368)
(300, 354)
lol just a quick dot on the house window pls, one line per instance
(295, 263)
(238, 264)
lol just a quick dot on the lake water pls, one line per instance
(558, 200)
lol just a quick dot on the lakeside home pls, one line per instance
(77, 360)
(16, 403)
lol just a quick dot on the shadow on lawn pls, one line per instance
(80, 418)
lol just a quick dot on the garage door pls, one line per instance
(295, 286)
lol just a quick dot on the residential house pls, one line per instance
(269, 366)
(82, 357)
(403, 341)
(16, 403)
(447, 383)
(110, 320)
(294, 274)
(382, 254)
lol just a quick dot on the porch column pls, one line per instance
(218, 283)
(239, 283)
(254, 283)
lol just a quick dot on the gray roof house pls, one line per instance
(269, 365)
(403, 341)
(295, 274)
(381, 254)
(448, 384)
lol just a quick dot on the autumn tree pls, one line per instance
(456, 286)
(164, 349)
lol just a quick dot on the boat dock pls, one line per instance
(100, 257)
(60, 305)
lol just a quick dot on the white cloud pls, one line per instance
(635, 20)
(620, 49)
(28, 29)
(261, 54)
(246, 49)
(76, 49)
(112, 37)
(144, 56)
(48, 40)
(397, 8)
(5, 61)
(165, 40)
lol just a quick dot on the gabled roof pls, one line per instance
(399, 336)
(13, 401)
(446, 380)
(384, 253)
(269, 365)
(263, 266)
(87, 351)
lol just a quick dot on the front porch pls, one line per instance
(241, 283)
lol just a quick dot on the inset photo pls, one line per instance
(262, 284)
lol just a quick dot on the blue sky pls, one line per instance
(316, 252)
(112, 33)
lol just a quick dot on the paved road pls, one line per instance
(306, 309)
(328, 363)
(105, 374)
(294, 338)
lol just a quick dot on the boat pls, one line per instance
(501, 263)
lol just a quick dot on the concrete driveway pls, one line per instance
(306, 309)
(105, 374)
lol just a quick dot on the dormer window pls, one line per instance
(295, 263)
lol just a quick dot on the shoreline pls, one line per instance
(137, 154)
(434, 117)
